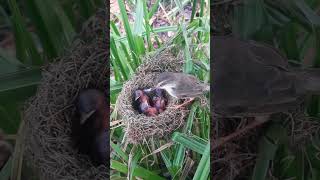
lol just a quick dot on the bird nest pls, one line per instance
(139, 127)
(48, 114)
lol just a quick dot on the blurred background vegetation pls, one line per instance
(140, 28)
(293, 27)
(32, 34)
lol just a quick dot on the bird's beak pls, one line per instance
(148, 90)
(137, 97)
(85, 116)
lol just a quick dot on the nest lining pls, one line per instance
(139, 127)
(48, 114)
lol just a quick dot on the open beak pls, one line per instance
(85, 116)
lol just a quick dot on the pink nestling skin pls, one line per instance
(151, 111)
(90, 126)
(143, 101)
(159, 101)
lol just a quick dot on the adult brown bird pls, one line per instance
(180, 86)
(90, 126)
(253, 79)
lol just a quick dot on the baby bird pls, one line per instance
(90, 124)
(151, 111)
(158, 100)
(144, 103)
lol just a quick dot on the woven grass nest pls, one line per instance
(139, 127)
(48, 114)
(237, 159)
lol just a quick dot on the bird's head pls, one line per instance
(159, 92)
(137, 94)
(89, 102)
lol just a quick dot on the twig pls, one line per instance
(221, 141)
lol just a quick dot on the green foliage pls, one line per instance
(126, 52)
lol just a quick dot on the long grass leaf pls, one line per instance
(52, 26)
(129, 33)
(138, 19)
(139, 172)
(6, 170)
(203, 168)
(117, 58)
(194, 143)
(180, 152)
(25, 46)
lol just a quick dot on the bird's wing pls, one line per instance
(244, 77)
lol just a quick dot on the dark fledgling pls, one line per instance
(90, 126)
(159, 100)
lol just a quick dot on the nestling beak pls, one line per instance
(137, 97)
(148, 90)
(85, 116)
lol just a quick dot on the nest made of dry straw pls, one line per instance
(48, 114)
(236, 159)
(139, 127)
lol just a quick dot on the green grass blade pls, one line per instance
(86, 8)
(52, 26)
(118, 150)
(154, 31)
(203, 168)
(115, 88)
(193, 12)
(147, 26)
(138, 19)
(188, 66)
(130, 36)
(6, 170)
(139, 172)
(194, 143)
(19, 79)
(117, 58)
(134, 162)
(180, 153)
(266, 154)
(26, 50)
(154, 8)
(167, 160)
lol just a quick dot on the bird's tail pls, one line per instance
(309, 80)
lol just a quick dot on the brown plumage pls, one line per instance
(254, 78)
(181, 85)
